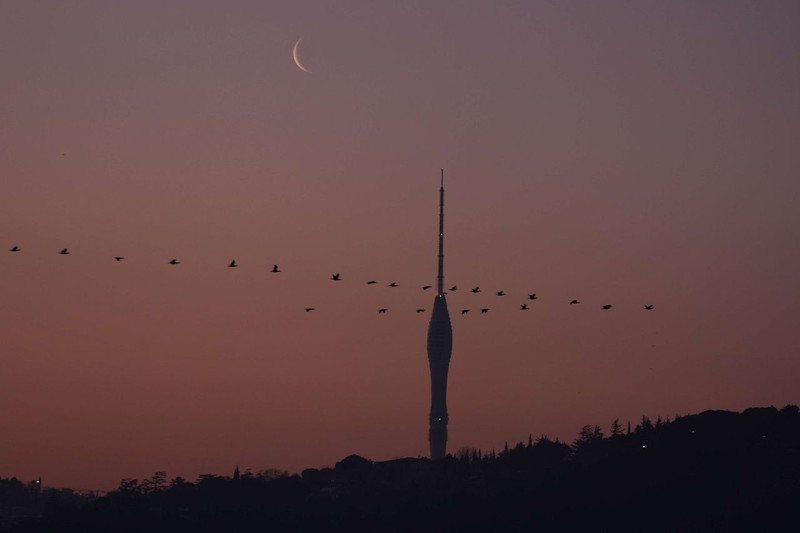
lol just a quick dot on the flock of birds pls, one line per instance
(382, 311)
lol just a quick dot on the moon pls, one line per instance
(297, 58)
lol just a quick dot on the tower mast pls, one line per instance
(440, 347)
(440, 278)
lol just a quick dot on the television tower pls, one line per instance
(440, 346)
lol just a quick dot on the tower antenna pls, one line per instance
(440, 278)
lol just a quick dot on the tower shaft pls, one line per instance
(440, 347)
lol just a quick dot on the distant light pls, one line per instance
(643, 446)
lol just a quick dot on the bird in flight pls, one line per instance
(523, 307)
(64, 252)
(233, 264)
(453, 288)
(309, 309)
(476, 290)
(14, 249)
(335, 277)
(381, 311)
(573, 302)
(464, 311)
(607, 306)
(426, 287)
(532, 296)
(174, 262)
(484, 310)
(501, 293)
(118, 258)
(420, 310)
(275, 269)
(393, 284)
(371, 282)
(648, 307)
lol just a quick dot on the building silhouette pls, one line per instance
(440, 347)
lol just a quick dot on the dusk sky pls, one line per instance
(623, 153)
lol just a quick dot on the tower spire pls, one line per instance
(440, 278)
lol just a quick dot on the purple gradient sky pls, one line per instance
(614, 152)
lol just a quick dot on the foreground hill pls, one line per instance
(714, 471)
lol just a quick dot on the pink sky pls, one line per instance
(613, 152)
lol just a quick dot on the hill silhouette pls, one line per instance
(713, 471)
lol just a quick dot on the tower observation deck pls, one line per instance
(440, 347)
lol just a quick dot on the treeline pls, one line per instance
(715, 471)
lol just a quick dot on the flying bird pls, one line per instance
(233, 264)
(118, 258)
(174, 262)
(484, 311)
(501, 293)
(573, 302)
(393, 284)
(476, 290)
(523, 307)
(420, 310)
(607, 306)
(335, 277)
(648, 307)
(381, 311)
(64, 252)
(464, 311)
(14, 249)
(532, 296)
(309, 309)
(371, 282)
(275, 269)
(426, 287)
(453, 288)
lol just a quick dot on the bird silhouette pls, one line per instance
(233, 264)
(532, 296)
(174, 262)
(476, 290)
(573, 302)
(501, 293)
(393, 284)
(464, 311)
(14, 249)
(453, 288)
(607, 306)
(309, 309)
(420, 310)
(118, 258)
(64, 252)
(381, 311)
(426, 287)
(523, 307)
(335, 277)
(275, 269)
(484, 310)
(371, 282)
(648, 307)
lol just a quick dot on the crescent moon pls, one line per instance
(297, 58)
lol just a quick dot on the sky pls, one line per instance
(623, 153)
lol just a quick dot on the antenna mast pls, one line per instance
(440, 278)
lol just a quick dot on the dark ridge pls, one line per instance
(713, 471)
